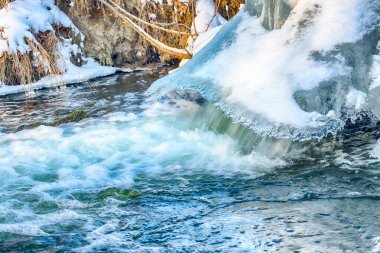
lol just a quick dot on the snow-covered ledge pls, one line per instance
(23, 20)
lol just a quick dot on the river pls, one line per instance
(138, 175)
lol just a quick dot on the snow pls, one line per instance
(252, 74)
(204, 18)
(204, 38)
(73, 75)
(270, 71)
(206, 25)
(25, 18)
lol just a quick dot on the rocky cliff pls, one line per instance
(109, 41)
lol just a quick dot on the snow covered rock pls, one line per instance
(24, 19)
(290, 82)
(41, 47)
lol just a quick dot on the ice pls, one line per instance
(253, 74)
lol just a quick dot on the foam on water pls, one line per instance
(48, 164)
(376, 150)
(179, 176)
(376, 241)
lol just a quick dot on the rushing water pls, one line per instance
(143, 176)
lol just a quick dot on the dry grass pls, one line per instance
(177, 16)
(86, 7)
(42, 60)
(229, 8)
(3, 3)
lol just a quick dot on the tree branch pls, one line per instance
(179, 53)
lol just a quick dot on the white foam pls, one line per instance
(356, 99)
(376, 248)
(22, 229)
(159, 143)
(375, 153)
(121, 117)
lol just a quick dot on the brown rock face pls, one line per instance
(109, 41)
(113, 43)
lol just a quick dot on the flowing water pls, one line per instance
(176, 176)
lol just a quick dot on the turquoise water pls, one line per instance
(175, 176)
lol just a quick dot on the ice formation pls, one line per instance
(288, 82)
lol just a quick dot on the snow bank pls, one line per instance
(74, 74)
(206, 17)
(206, 24)
(252, 74)
(23, 19)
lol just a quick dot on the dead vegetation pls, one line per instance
(3, 3)
(40, 61)
(177, 16)
(166, 26)
(229, 8)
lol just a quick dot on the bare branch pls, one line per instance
(179, 53)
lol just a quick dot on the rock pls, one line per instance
(108, 41)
